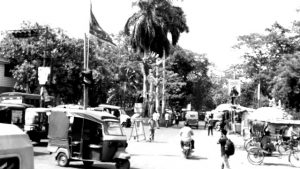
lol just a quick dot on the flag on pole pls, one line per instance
(97, 31)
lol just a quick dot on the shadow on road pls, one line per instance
(96, 166)
(277, 164)
(197, 158)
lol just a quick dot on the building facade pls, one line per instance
(7, 82)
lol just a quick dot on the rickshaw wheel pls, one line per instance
(88, 163)
(294, 158)
(255, 156)
(122, 164)
(62, 160)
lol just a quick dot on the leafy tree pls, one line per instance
(62, 53)
(287, 82)
(150, 26)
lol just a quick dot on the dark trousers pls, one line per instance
(192, 142)
(210, 130)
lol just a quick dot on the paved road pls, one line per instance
(165, 153)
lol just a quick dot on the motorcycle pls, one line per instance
(187, 149)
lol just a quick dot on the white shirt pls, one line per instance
(155, 116)
(167, 116)
(186, 133)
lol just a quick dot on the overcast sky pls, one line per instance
(214, 24)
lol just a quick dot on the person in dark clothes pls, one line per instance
(225, 157)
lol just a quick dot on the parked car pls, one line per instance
(116, 111)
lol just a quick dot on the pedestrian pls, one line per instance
(177, 118)
(167, 119)
(156, 119)
(224, 156)
(210, 126)
(151, 123)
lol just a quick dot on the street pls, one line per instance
(165, 153)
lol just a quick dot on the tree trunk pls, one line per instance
(157, 88)
(163, 85)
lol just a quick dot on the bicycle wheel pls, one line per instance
(255, 156)
(246, 142)
(294, 158)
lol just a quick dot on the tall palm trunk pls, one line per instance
(163, 85)
(151, 105)
(156, 88)
(145, 100)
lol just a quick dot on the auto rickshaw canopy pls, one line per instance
(60, 118)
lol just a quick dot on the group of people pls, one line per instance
(186, 135)
(154, 122)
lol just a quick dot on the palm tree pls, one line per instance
(148, 29)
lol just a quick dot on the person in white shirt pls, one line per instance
(156, 119)
(186, 134)
(167, 119)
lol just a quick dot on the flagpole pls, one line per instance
(85, 89)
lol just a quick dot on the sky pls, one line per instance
(214, 24)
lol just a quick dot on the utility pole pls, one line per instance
(85, 67)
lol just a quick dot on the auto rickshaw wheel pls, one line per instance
(88, 163)
(122, 164)
(62, 160)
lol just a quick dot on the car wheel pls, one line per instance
(62, 160)
(122, 164)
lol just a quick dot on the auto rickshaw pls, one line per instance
(192, 118)
(36, 123)
(88, 136)
(16, 151)
(13, 113)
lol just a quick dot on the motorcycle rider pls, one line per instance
(186, 134)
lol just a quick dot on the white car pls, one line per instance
(116, 111)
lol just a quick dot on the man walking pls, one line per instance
(210, 126)
(151, 123)
(156, 119)
(167, 119)
(224, 156)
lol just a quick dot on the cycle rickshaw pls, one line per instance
(257, 153)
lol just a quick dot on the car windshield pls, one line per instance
(113, 128)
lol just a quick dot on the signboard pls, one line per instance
(43, 73)
(234, 87)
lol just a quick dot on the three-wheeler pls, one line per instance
(16, 151)
(87, 136)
